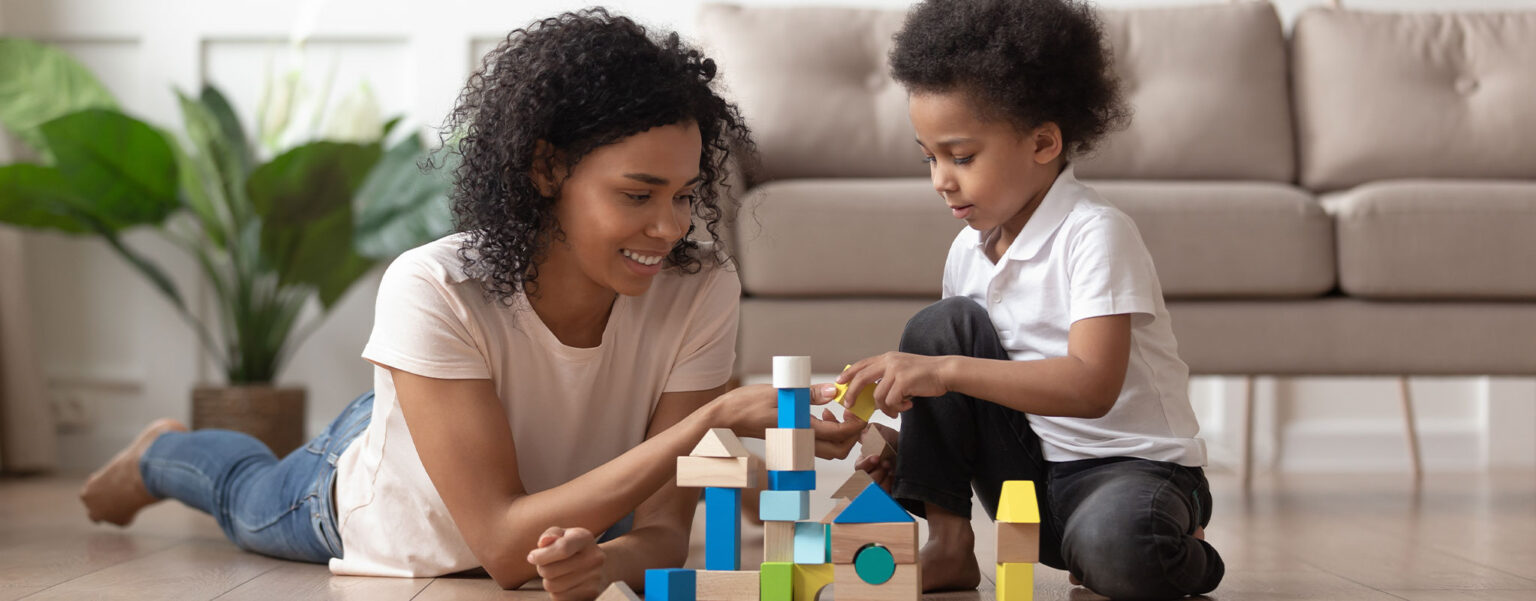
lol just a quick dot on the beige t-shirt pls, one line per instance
(570, 409)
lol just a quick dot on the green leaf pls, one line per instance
(39, 83)
(399, 207)
(38, 197)
(196, 195)
(122, 167)
(229, 127)
(219, 162)
(304, 200)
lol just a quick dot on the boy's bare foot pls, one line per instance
(1199, 534)
(116, 493)
(948, 566)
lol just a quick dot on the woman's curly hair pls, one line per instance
(577, 81)
(1028, 61)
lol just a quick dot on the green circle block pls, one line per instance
(874, 564)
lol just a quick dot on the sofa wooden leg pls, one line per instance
(1412, 429)
(1247, 469)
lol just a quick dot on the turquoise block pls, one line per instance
(811, 543)
(784, 505)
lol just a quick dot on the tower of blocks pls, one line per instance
(1018, 541)
(867, 544)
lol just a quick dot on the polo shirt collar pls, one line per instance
(1048, 217)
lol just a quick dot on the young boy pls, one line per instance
(1051, 357)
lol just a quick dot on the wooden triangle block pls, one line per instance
(1018, 504)
(873, 506)
(719, 442)
(619, 591)
(854, 485)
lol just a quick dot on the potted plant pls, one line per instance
(270, 237)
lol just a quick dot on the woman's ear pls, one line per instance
(548, 170)
(1047, 142)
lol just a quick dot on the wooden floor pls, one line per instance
(1459, 537)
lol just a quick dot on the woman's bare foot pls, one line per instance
(948, 559)
(116, 493)
(1199, 534)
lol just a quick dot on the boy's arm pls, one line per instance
(1085, 383)
(664, 521)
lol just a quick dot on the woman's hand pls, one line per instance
(571, 564)
(897, 377)
(750, 411)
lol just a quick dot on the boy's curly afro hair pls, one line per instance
(577, 81)
(1027, 61)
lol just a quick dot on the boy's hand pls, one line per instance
(881, 467)
(897, 377)
(750, 410)
(571, 564)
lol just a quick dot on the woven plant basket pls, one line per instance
(274, 416)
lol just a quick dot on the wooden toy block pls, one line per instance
(1018, 504)
(837, 508)
(805, 480)
(777, 581)
(779, 542)
(872, 442)
(810, 579)
(810, 543)
(1018, 543)
(670, 584)
(784, 505)
(854, 485)
(731, 585)
(905, 584)
(722, 528)
(872, 506)
(898, 538)
(864, 405)
(719, 442)
(720, 472)
(794, 408)
(618, 591)
(1015, 582)
(791, 372)
(791, 449)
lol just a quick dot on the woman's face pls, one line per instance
(624, 207)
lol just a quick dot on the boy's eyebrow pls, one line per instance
(656, 180)
(946, 142)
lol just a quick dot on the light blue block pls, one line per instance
(797, 480)
(671, 584)
(811, 543)
(784, 505)
(794, 407)
(722, 528)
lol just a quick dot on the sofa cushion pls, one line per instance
(829, 237)
(1437, 239)
(1209, 87)
(1389, 96)
(1230, 239)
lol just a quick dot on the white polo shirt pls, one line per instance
(1080, 257)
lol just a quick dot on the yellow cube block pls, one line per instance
(809, 579)
(1015, 581)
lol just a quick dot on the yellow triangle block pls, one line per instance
(719, 442)
(1018, 504)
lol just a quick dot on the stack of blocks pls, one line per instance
(868, 543)
(1018, 541)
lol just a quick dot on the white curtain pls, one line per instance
(28, 438)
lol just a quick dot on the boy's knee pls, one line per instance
(1124, 558)
(946, 327)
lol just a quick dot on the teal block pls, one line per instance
(874, 564)
(811, 542)
(784, 505)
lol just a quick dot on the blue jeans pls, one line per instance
(279, 508)
(1122, 525)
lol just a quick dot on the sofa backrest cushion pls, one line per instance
(1208, 86)
(1424, 95)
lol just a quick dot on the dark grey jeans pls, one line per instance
(1122, 525)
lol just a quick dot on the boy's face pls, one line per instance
(988, 172)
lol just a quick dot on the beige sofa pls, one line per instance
(1358, 198)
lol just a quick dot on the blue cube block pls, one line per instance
(671, 584)
(784, 505)
(811, 543)
(798, 480)
(794, 407)
(722, 529)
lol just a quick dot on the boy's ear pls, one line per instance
(548, 168)
(1047, 142)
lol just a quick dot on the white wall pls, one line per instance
(116, 355)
